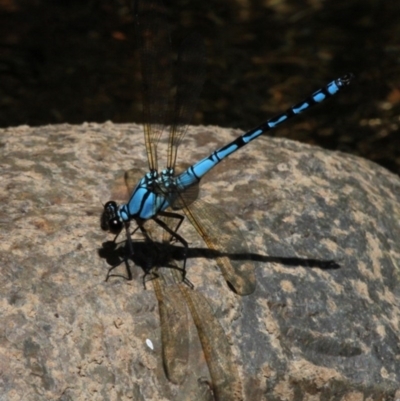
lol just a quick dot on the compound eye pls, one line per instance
(114, 226)
(109, 220)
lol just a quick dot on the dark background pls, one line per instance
(74, 61)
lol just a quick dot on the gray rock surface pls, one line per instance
(308, 332)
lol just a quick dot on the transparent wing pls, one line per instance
(217, 350)
(189, 79)
(221, 234)
(218, 232)
(173, 302)
(174, 298)
(174, 329)
(131, 178)
(154, 46)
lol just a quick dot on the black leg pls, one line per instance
(175, 235)
(129, 244)
(175, 216)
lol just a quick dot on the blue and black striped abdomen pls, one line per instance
(194, 173)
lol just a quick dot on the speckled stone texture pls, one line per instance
(308, 332)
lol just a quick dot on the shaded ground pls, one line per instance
(72, 61)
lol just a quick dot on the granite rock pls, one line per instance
(322, 228)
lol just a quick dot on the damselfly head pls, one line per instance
(109, 220)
